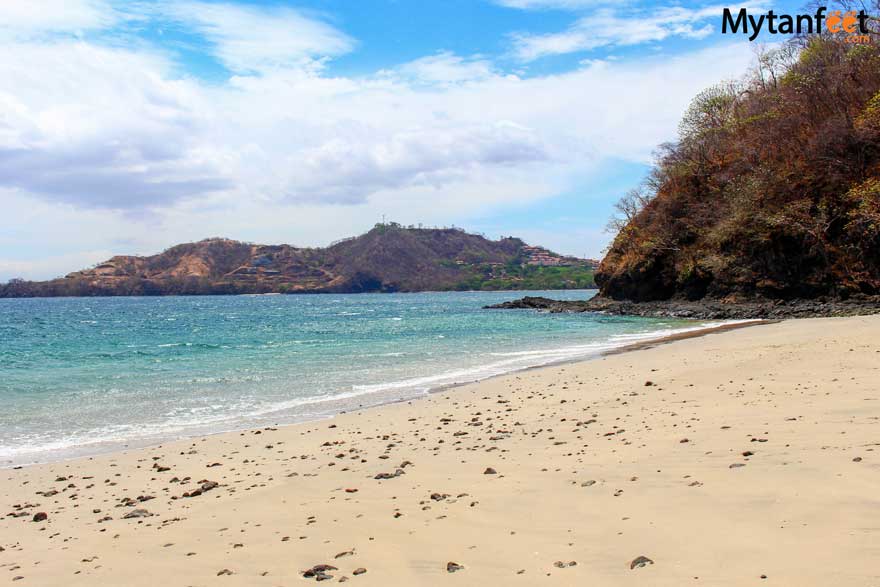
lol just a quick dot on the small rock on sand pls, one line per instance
(640, 561)
(452, 567)
(319, 572)
(138, 513)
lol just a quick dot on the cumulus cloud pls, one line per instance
(101, 127)
(127, 135)
(432, 155)
(117, 142)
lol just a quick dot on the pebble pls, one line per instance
(452, 567)
(319, 572)
(138, 513)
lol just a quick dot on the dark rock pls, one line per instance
(452, 567)
(640, 561)
(41, 517)
(490, 471)
(319, 572)
(396, 473)
(703, 309)
(138, 513)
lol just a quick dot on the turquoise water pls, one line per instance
(85, 375)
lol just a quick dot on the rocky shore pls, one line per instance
(703, 309)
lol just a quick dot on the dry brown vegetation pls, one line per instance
(773, 189)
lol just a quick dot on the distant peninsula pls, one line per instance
(388, 258)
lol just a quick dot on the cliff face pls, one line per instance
(388, 258)
(772, 191)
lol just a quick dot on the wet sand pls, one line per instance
(742, 457)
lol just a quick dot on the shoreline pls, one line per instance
(145, 443)
(761, 441)
(705, 309)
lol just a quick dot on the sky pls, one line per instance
(128, 127)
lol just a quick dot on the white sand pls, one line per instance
(801, 395)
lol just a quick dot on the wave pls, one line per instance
(248, 411)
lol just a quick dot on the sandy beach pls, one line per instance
(743, 457)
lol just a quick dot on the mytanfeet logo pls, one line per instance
(852, 23)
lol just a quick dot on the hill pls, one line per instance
(771, 192)
(388, 258)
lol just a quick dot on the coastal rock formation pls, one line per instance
(705, 309)
(388, 258)
(768, 206)
(772, 191)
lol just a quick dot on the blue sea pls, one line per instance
(81, 376)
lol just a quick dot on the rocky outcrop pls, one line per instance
(703, 309)
(771, 192)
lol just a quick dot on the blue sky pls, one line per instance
(126, 127)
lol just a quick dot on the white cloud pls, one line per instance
(25, 18)
(109, 149)
(445, 67)
(248, 38)
(614, 27)
(550, 4)
(101, 127)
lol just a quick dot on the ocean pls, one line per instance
(82, 376)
